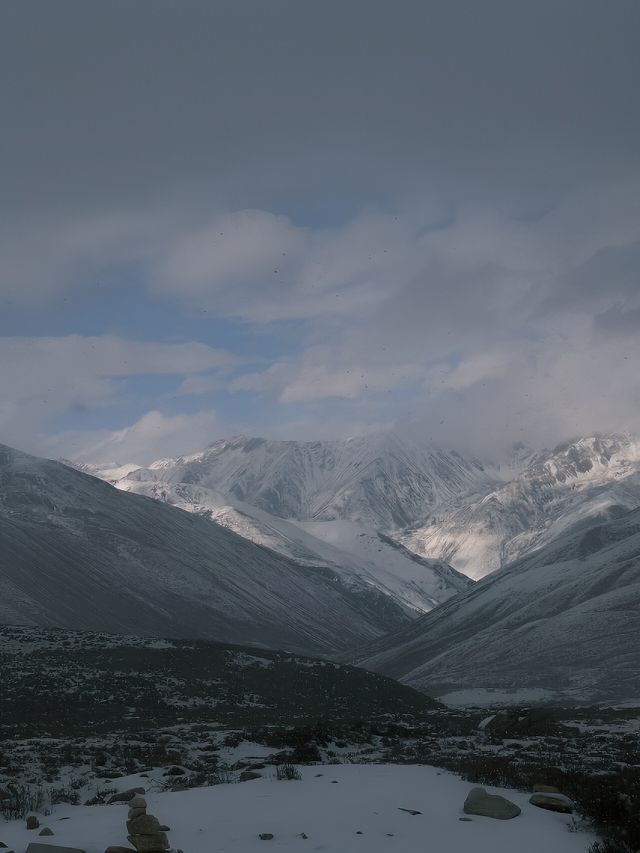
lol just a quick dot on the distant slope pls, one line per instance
(565, 619)
(352, 551)
(419, 582)
(585, 481)
(77, 553)
(130, 683)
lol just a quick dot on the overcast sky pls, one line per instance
(313, 219)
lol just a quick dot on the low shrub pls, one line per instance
(288, 772)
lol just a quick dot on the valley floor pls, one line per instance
(341, 808)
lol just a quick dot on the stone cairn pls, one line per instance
(144, 831)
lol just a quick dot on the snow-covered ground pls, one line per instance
(478, 697)
(340, 808)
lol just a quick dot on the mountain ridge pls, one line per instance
(475, 516)
(564, 619)
(77, 553)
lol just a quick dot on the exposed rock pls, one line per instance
(146, 824)
(153, 843)
(138, 802)
(552, 802)
(545, 789)
(135, 813)
(479, 802)
(46, 831)
(32, 822)
(248, 775)
(116, 849)
(4, 795)
(265, 836)
(3, 845)
(409, 811)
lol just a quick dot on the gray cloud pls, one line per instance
(151, 436)
(44, 377)
(124, 104)
(444, 195)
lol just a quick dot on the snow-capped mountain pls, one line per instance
(473, 516)
(77, 553)
(384, 480)
(565, 621)
(581, 482)
(355, 553)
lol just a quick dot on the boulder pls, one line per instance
(32, 822)
(479, 802)
(46, 831)
(3, 845)
(138, 802)
(266, 836)
(552, 802)
(154, 843)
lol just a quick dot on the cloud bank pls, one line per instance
(333, 217)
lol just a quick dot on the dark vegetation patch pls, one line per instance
(62, 683)
(102, 707)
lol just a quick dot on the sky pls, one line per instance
(315, 220)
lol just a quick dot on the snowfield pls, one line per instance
(330, 805)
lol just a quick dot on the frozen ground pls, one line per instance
(331, 805)
(479, 697)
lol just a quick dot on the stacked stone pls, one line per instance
(146, 833)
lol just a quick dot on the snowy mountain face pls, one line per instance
(77, 553)
(473, 516)
(383, 481)
(359, 555)
(563, 621)
(590, 480)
